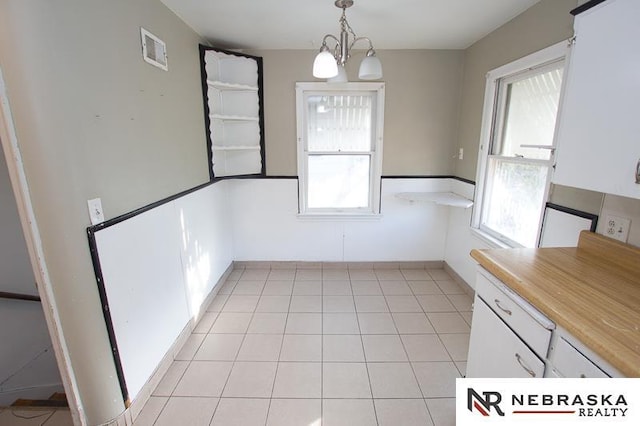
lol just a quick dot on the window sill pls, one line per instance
(339, 217)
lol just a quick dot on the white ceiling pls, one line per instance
(390, 24)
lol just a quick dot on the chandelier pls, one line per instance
(330, 64)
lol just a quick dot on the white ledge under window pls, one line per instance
(441, 198)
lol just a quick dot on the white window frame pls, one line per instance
(302, 91)
(492, 117)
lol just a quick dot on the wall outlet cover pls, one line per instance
(617, 227)
(96, 214)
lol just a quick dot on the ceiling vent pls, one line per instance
(154, 50)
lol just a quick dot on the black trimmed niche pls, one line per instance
(234, 112)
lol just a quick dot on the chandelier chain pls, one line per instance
(345, 24)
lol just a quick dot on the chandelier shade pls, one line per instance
(370, 68)
(329, 63)
(325, 65)
(341, 77)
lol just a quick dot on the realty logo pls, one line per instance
(483, 405)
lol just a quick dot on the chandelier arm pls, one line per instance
(364, 39)
(324, 39)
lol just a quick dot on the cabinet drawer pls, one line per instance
(532, 327)
(496, 351)
(570, 362)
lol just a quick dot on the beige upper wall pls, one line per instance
(542, 25)
(94, 120)
(421, 108)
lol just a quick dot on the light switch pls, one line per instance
(95, 211)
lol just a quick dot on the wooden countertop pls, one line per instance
(592, 291)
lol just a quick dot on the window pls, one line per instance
(517, 149)
(340, 147)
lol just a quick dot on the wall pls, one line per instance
(158, 268)
(622, 207)
(266, 211)
(421, 107)
(94, 120)
(542, 25)
(27, 365)
(15, 268)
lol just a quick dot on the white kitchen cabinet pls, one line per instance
(496, 351)
(232, 90)
(512, 338)
(568, 361)
(598, 136)
(525, 320)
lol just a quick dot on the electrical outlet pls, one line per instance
(460, 153)
(96, 214)
(617, 227)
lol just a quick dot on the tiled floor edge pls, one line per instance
(129, 416)
(391, 264)
(457, 278)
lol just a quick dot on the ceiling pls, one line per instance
(390, 24)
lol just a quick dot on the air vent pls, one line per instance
(154, 50)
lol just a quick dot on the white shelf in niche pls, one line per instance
(233, 117)
(236, 148)
(231, 86)
(441, 198)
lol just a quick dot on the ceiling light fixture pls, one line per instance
(328, 65)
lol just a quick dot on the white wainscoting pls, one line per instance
(266, 225)
(158, 267)
(460, 239)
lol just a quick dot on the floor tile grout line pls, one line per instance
(321, 349)
(433, 420)
(215, 409)
(438, 337)
(424, 310)
(449, 352)
(366, 364)
(163, 405)
(235, 361)
(275, 377)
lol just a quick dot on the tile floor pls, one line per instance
(311, 347)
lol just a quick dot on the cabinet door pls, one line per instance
(234, 116)
(598, 139)
(496, 351)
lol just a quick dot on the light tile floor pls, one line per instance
(311, 347)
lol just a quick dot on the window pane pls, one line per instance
(339, 122)
(530, 114)
(515, 199)
(338, 181)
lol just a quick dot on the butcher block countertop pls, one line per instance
(592, 291)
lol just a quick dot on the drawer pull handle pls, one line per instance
(506, 311)
(527, 369)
